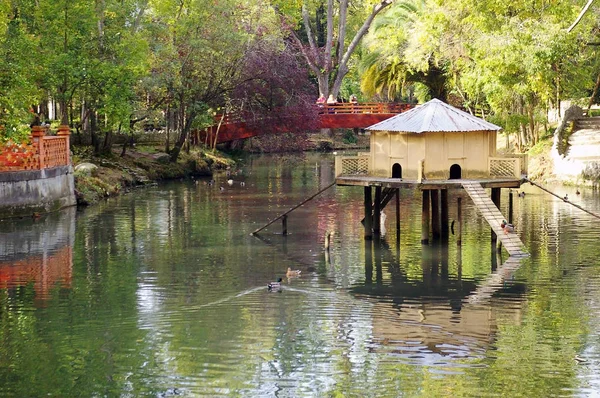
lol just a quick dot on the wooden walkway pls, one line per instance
(491, 213)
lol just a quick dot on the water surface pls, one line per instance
(162, 292)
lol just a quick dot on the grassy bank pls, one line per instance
(114, 174)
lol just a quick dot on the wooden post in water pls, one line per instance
(435, 214)
(510, 206)
(398, 215)
(496, 199)
(368, 213)
(284, 225)
(368, 261)
(425, 218)
(377, 212)
(444, 215)
(459, 221)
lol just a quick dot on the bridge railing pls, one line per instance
(43, 152)
(367, 107)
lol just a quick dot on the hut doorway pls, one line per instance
(455, 172)
(396, 170)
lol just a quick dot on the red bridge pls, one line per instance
(343, 115)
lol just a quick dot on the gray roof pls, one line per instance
(433, 116)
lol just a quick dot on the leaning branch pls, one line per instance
(581, 14)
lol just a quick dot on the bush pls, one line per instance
(349, 137)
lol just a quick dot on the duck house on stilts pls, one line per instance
(435, 148)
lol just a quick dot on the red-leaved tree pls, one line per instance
(275, 93)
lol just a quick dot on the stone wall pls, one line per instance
(31, 192)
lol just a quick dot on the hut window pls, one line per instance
(396, 171)
(455, 172)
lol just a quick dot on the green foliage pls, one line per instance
(511, 58)
(349, 137)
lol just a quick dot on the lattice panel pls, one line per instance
(358, 165)
(55, 151)
(503, 167)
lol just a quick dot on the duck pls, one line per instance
(222, 188)
(507, 227)
(577, 192)
(292, 272)
(580, 359)
(274, 286)
(521, 194)
(242, 184)
(230, 182)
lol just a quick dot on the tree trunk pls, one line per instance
(94, 131)
(331, 68)
(183, 135)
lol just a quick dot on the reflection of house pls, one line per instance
(433, 141)
(430, 331)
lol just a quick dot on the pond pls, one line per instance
(163, 292)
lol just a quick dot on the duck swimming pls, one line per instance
(274, 286)
(292, 272)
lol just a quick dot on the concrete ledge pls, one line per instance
(23, 193)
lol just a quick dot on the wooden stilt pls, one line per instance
(377, 212)
(398, 215)
(284, 225)
(496, 199)
(425, 219)
(368, 213)
(510, 206)
(435, 214)
(368, 261)
(444, 213)
(459, 221)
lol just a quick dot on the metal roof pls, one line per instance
(433, 116)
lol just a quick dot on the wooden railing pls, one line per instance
(367, 107)
(506, 167)
(352, 165)
(44, 151)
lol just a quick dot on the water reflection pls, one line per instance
(427, 320)
(38, 252)
(165, 294)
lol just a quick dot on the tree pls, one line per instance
(18, 70)
(327, 52)
(199, 63)
(274, 90)
(511, 59)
